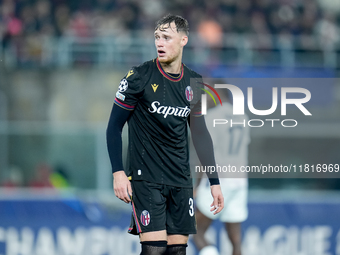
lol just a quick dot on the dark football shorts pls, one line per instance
(158, 207)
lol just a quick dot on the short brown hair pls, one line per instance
(181, 23)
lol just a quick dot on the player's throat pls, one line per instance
(172, 68)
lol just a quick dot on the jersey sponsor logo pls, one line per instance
(120, 96)
(154, 87)
(129, 74)
(123, 85)
(169, 110)
(145, 218)
(189, 93)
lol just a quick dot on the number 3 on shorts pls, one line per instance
(191, 206)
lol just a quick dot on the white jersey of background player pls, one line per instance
(231, 149)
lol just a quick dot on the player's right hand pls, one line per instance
(122, 186)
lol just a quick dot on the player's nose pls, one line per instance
(159, 43)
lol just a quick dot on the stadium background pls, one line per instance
(60, 66)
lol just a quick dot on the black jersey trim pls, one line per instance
(166, 75)
(124, 106)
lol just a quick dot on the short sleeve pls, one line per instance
(129, 90)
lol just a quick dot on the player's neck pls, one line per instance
(173, 67)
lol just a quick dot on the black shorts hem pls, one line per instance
(133, 231)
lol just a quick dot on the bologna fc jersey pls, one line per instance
(158, 148)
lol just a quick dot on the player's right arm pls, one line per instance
(121, 184)
(125, 101)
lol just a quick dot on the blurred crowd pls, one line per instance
(110, 17)
(29, 27)
(45, 176)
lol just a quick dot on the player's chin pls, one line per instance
(165, 60)
(162, 59)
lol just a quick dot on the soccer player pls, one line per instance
(231, 148)
(157, 99)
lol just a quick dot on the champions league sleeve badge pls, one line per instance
(120, 96)
(189, 93)
(123, 85)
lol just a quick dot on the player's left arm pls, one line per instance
(129, 91)
(204, 147)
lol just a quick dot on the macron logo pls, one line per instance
(169, 110)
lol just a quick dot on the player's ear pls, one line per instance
(184, 40)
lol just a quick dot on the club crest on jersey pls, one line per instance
(145, 218)
(189, 93)
(123, 85)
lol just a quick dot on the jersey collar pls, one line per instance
(168, 76)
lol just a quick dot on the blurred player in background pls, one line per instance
(157, 98)
(230, 148)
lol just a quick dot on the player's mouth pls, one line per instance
(161, 53)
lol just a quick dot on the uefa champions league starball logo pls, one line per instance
(123, 85)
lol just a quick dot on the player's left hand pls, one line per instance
(218, 203)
